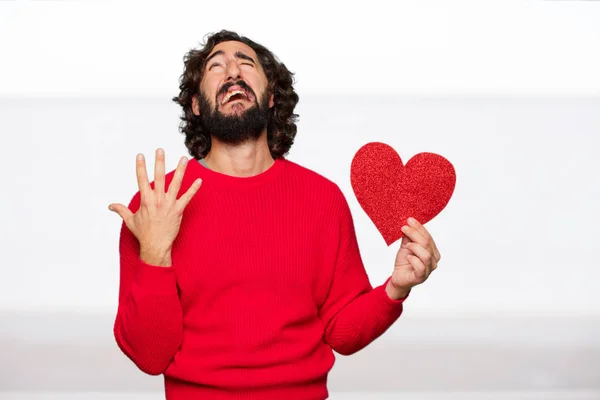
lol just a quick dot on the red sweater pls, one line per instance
(266, 282)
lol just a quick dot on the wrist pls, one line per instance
(396, 293)
(161, 259)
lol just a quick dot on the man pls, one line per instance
(240, 270)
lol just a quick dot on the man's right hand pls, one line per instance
(157, 221)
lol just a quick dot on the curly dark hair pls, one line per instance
(281, 126)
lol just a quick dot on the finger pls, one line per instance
(187, 196)
(424, 255)
(419, 267)
(425, 233)
(415, 235)
(405, 241)
(436, 252)
(120, 209)
(175, 184)
(159, 173)
(142, 178)
(419, 227)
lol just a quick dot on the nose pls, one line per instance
(233, 71)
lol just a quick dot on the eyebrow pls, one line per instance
(243, 56)
(238, 54)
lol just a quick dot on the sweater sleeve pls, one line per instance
(354, 313)
(148, 327)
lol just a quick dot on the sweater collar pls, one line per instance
(218, 179)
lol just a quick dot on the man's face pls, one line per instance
(234, 99)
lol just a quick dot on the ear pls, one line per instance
(271, 101)
(195, 105)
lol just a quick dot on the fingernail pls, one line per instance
(404, 228)
(140, 157)
(411, 220)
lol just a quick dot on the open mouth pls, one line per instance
(235, 94)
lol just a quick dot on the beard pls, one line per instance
(235, 129)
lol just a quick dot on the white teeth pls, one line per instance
(229, 94)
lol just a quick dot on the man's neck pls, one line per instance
(243, 160)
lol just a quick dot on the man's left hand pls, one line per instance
(417, 258)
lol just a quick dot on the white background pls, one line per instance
(432, 47)
(507, 91)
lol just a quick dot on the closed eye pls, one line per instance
(216, 64)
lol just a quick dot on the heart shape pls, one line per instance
(390, 192)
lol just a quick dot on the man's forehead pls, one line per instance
(232, 46)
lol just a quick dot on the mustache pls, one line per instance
(240, 83)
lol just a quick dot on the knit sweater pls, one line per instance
(266, 282)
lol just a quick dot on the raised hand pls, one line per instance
(156, 223)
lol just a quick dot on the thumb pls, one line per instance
(403, 252)
(405, 240)
(119, 209)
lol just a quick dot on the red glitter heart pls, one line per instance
(390, 192)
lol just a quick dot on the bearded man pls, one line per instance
(240, 272)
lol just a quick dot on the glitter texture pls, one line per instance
(389, 192)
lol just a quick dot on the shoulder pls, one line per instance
(318, 186)
(311, 176)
